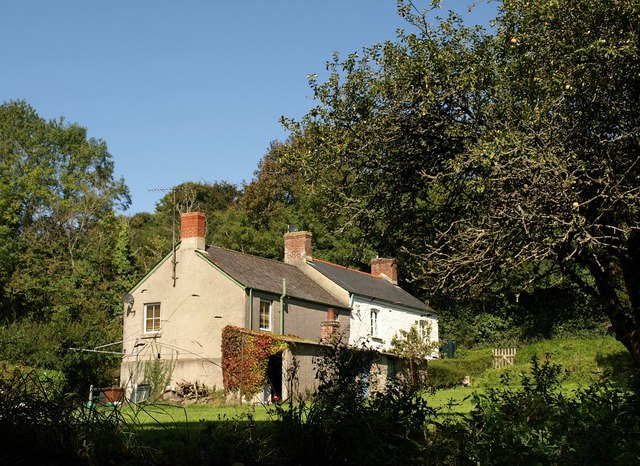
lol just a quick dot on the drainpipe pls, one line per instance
(284, 294)
(250, 319)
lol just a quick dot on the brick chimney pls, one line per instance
(385, 268)
(297, 246)
(330, 328)
(193, 228)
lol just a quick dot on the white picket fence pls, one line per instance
(504, 357)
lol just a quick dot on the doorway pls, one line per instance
(274, 377)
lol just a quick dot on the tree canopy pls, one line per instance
(490, 161)
(62, 268)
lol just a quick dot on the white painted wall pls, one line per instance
(391, 319)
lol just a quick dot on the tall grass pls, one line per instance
(39, 424)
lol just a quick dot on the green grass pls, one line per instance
(584, 361)
(457, 400)
(164, 414)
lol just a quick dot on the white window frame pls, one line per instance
(373, 322)
(264, 304)
(154, 319)
(423, 327)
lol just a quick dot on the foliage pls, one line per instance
(415, 348)
(278, 196)
(245, 357)
(158, 373)
(492, 164)
(39, 424)
(342, 425)
(530, 421)
(447, 373)
(444, 375)
(63, 266)
(539, 424)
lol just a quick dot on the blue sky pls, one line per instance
(182, 90)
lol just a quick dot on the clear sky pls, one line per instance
(183, 90)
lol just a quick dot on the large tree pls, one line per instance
(61, 273)
(496, 158)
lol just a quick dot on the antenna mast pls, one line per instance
(173, 229)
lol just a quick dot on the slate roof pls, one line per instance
(368, 286)
(266, 275)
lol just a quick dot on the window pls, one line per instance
(423, 329)
(374, 323)
(152, 318)
(265, 315)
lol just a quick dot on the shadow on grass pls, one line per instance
(178, 436)
(619, 369)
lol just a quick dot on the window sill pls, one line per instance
(151, 335)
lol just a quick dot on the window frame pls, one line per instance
(269, 306)
(423, 327)
(156, 321)
(373, 322)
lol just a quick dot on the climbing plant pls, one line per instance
(245, 357)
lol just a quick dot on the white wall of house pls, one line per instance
(389, 321)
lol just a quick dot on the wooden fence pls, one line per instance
(504, 357)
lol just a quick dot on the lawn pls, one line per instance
(584, 361)
(160, 414)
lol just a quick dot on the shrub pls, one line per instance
(447, 373)
(39, 424)
(442, 374)
(341, 425)
(538, 424)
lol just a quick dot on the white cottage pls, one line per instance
(379, 307)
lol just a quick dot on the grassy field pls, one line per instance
(584, 362)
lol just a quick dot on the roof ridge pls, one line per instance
(346, 268)
(249, 255)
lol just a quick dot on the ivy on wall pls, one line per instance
(245, 357)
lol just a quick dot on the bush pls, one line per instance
(39, 424)
(538, 424)
(447, 373)
(442, 374)
(341, 425)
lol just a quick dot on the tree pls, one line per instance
(152, 233)
(279, 196)
(493, 163)
(416, 346)
(58, 224)
(557, 167)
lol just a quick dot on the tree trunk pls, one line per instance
(625, 326)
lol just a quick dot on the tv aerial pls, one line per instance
(173, 227)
